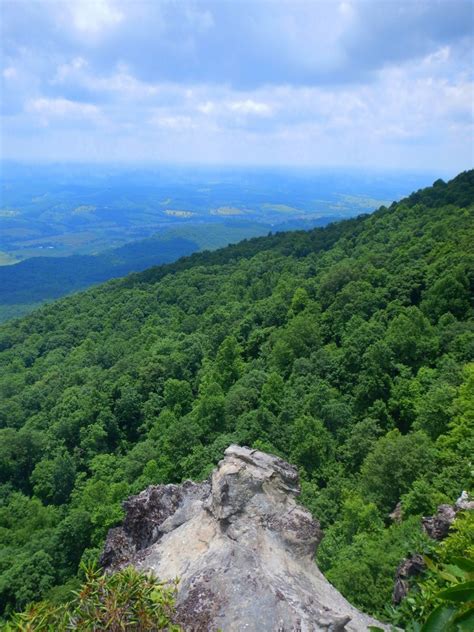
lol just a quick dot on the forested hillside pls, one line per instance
(348, 350)
(27, 284)
(24, 285)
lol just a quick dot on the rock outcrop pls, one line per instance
(437, 528)
(409, 567)
(241, 546)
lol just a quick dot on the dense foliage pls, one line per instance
(347, 350)
(127, 601)
(442, 599)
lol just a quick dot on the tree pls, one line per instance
(273, 392)
(299, 301)
(178, 396)
(53, 479)
(359, 443)
(312, 446)
(228, 365)
(411, 338)
(394, 463)
(450, 293)
(30, 577)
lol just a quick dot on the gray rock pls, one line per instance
(464, 502)
(438, 525)
(408, 568)
(397, 514)
(241, 546)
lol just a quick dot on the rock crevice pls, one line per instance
(241, 546)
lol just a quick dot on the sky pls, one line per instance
(368, 83)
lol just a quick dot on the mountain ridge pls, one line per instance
(347, 351)
(27, 283)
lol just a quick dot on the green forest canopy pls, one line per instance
(347, 350)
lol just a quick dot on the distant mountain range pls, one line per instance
(66, 227)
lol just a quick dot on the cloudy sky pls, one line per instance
(386, 83)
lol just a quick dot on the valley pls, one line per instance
(58, 236)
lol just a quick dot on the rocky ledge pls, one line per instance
(241, 546)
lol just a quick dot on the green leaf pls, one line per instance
(439, 620)
(461, 592)
(464, 563)
(457, 572)
(464, 622)
(449, 577)
(430, 564)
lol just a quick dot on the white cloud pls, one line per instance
(206, 108)
(94, 16)
(67, 70)
(248, 106)
(440, 55)
(62, 108)
(200, 20)
(223, 106)
(122, 83)
(10, 72)
(305, 81)
(174, 123)
(346, 9)
(399, 114)
(77, 73)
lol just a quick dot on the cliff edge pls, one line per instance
(241, 546)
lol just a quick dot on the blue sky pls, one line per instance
(372, 83)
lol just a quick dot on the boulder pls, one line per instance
(437, 526)
(409, 567)
(241, 547)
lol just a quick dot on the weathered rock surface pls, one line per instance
(241, 546)
(437, 526)
(409, 567)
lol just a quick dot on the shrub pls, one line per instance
(127, 600)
